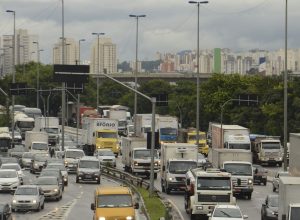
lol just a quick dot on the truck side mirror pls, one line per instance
(188, 181)
(136, 205)
(93, 206)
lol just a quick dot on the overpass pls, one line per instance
(170, 77)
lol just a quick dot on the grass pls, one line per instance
(154, 206)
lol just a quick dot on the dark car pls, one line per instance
(56, 173)
(260, 174)
(38, 162)
(5, 211)
(269, 209)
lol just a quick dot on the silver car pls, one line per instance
(9, 180)
(28, 197)
(15, 166)
(25, 160)
(51, 187)
(106, 157)
(275, 181)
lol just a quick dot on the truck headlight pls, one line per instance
(55, 190)
(156, 164)
(171, 179)
(199, 207)
(101, 218)
(280, 158)
(135, 163)
(14, 201)
(129, 218)
(250, 181)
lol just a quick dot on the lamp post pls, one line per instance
(23, 53)
(198, 95)
(136, 66)
(37, 73)
(285, 90)
(98, 62)
(13, 78)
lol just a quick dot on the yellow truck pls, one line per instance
(100, 133)
(192, 139)
(113, 203)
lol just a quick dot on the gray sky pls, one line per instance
(170, 25)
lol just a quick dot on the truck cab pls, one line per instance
(107, 139)
(5, 139)
(192, 139)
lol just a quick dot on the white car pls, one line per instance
(106, 157)
(227, 212)
(16, 167)
(9, 180)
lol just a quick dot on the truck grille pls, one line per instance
(144, 164)
(180, 178)
(272, 154)
(213, 198)
(244, 182)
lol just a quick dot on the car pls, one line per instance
(8, 160)
(227, 212)
(26, 158)
(17, 151)
(28, 197)
(71, 159)
(9, 180)
(5, 211)
(259, 174)
(269, 209)
(88, 169)
(275, 181)
(51, 187)
(38, 162)
(62, 169)
(54, 172)
(106, 157)
(114, 202)
(14, 166)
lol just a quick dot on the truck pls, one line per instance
(266, 149)
(289, 198)
(239, 164)
(119, 113)
(23, 123)
(136, 158)
(35, 137)
(230, 137)
(100, 133)
(167, 127)
(192, 139)
(5, 139)
(205, 189)
(143, 124)
(176, 159)
(49, 125)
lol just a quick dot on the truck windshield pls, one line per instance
(89, 164)
(25, 124)
(238, 169)
(271, 146)
(192, 137)
(168, 131)
(39, 146)
(122, 123)
(114, 200)
(294, 213)
(181, 167)
(141, 154)
(4, 143)
(74, 154)
(239, 146)
(216, 183)
(51, 130)
(107, 135)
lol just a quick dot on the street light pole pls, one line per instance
(63, 92)
(13, 79)
(98, 62)
(198, 51)
(136, 66)
(38, 73)
(285, 90)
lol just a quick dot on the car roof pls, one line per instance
(227, 206)
(273, 196)
(10, 164)
(28, 186)
(11, 170)
(112, 190)
(47, 177)
(90, 158)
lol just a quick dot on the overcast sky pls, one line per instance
(170, 25)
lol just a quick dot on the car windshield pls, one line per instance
(181, 167)
(107, 135)
(11, 166)
(227, 212)
(238, 169)
(283, 174)
(273, 201)
(106, 153)
(46, 181)
(5, 143)
(51, 130)
(39, 146)
(26, 124)
(215, 183)
(295, 213)
(27, 155)
(56, 166)
(142, 154)
(8, 174)
(26, 191)
(89, 164)
(115, 200)
(74, 154)
(168, 131)
(40, 158)
(50, 173)
(193, 137)
(271, 146)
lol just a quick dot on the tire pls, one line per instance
(77, 180)
(38, 208)
(249, 195)
(66, 183)
(98, 181)
(162, 187)
(265, 183)
(168, 190)
(155, 176)
(13, 210)
(42, 207)
(274, 189)
(280, 164)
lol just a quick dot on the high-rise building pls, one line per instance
(107, 60)
(70, 52)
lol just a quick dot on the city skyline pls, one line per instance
(168, 27)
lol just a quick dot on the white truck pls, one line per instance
(294, 164)
(36, 141)
(267, 149)
(230, 137)
(176, 160)
(205, 189)
(5, 139)
(119, 113)
(49, 125)
(100, 133)
(167, 126)
(289, 198)
(136, 158)
(143, 124)
(239, 164)
(23, 123)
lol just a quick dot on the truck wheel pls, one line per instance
(162, 187)
(77, 180)
(168, 190)
(155, 176)
(274, 189)
(280, 164)
(249, 195)
(265, 182)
